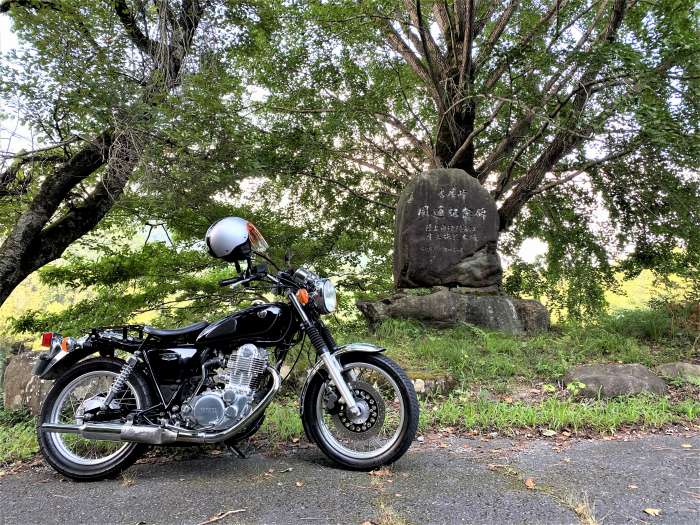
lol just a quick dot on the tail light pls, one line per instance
(46, 339)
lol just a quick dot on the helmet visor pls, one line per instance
(257, 241)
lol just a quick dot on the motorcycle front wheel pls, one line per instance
(388, 419)
(81, 389)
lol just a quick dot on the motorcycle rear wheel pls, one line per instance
(389, 422)
(73, 456)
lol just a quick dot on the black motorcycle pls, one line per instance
(211, 383)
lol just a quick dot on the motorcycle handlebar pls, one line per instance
(232, 280)
(242, 279)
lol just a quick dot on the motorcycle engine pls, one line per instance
(222, 408)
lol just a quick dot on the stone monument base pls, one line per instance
(445, 307)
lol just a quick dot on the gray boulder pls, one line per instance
(23, 389)
(612, 380)
(445, 308)
(446, 233)
(685, 371)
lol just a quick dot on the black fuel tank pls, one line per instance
(263, 324)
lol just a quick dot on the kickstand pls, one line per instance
(235, 448)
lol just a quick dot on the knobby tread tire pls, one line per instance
(69, 468)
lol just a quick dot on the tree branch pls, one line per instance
(145, 44)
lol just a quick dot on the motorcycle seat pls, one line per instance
(176, 332)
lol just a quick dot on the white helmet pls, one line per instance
(233, 238)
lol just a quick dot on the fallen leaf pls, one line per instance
(549, 432)
(652, 512)
(632, 487)
(381, 473)
(566, 433)
(686, 445)
(508, 399)
(286, 470)
(420, 439)
(530, 483)
(299, 483)
(295, 440)
(398, 494)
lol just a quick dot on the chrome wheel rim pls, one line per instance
(82, 391)
(375, 441)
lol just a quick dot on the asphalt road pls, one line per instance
(443, 480)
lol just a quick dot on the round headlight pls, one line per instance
(328, 296)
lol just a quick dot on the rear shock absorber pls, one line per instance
(121, 379)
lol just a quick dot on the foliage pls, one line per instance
(17, 436)
(306, 119)
(555, 414)
(478, 357)
(608, 174)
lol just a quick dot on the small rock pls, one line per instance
(22, 388)
(419, 385)
(685, 371)
(612, 380)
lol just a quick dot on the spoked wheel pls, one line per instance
(71, 401)
(388, 419)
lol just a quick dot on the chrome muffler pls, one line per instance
(158, 435)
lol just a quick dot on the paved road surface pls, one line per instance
(454, 480)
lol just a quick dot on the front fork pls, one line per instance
(329, 360)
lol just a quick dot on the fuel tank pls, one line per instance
(262, 324)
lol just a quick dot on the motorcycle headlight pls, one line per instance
(327, 296)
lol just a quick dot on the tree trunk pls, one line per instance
(31, 244)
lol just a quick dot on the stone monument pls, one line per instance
(446, 239)
(446, 233)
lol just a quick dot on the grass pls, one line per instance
(558, 414)
(282, 422)
(484, 362)
(478, 357)
(17, 437)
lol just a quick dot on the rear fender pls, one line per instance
(52, 365)
(352, 348)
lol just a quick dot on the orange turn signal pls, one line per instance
(303, 296)
(64, 344)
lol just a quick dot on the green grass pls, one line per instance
(282, 422)
(17, 437)
(482, 361)
(475, 356)
(557, 414)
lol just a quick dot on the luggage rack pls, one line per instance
(120, 336)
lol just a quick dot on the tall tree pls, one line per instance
(92, 80)
(580, 117)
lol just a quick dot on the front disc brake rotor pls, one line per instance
(371, 418)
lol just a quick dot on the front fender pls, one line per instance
(341, 350)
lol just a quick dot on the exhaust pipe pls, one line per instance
(155, 435)
(151, 435)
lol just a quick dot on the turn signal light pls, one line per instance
(303, 296)
(46, 339)
(65, 344)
